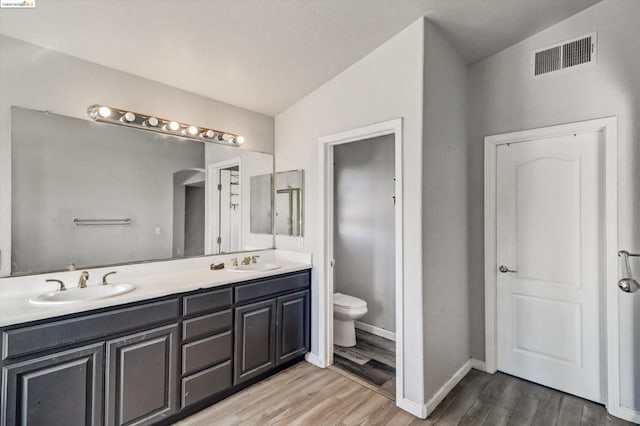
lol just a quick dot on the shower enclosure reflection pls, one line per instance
(289, 203)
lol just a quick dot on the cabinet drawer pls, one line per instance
(206, 325)
(207, 302)
(271, 286)
(206, 383)
(206, 352)
(27, 340)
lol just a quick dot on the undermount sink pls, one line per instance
(76, 294)
(254, 267)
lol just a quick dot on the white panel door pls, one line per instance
(549, 237)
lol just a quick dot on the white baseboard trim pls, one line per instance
(412, 407)
(625, 413)
(312, 358)
(478, 365)
(376, 330)
(447, 387)
(423, 410)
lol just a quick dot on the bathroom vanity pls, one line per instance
(154, 360)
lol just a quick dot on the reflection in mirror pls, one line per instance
(89, 194)
(261, 204)
(188, 212)
(289, 203)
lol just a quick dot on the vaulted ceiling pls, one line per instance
(264, 55)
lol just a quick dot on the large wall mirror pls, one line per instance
(89, 194)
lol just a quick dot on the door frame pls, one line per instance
(608, 126)
(325, 329)
(212, 203)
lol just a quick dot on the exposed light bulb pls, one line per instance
(104, 111)
(227, 137)
(240, 140)
(128, 117)
(192, 130)
(174, 125)
(208, 134)
(151, 121)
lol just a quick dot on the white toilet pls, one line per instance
(346, 309)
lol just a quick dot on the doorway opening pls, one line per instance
(362, 307)
(364, 267)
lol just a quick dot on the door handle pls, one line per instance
(504, 269)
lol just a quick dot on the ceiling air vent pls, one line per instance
(568, 54)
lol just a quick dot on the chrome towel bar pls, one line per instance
(101, 222)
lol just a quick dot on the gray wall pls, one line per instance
(384, 85)
(65, 168)
(503, 97)
(35, 77)
(261, 204)
(444, 212)
(364, 226)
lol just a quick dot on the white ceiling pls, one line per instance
(264, 55)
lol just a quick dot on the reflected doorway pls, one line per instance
(225, 207)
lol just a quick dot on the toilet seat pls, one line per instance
(345, 301)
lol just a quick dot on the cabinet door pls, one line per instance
(141, 377)
(255, 334)
(64, 388)
(292, 334)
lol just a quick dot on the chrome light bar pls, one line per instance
(126, 118)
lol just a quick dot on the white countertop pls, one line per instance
(152, 280)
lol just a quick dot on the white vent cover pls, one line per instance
(561, 56)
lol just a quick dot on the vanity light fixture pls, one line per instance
(160, 125)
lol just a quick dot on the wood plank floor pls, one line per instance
(372, 359)
(307, 395)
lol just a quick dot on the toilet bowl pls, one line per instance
(346, 309)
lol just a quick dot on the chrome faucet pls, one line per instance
(254, 259)
(246, 260)
(105, 276)
(61, 286)
(82, 283)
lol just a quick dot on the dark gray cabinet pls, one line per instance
(271, 332)
(255, 336)
(292, 331)
(141, 377)
(64, 388)
(152, 361)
